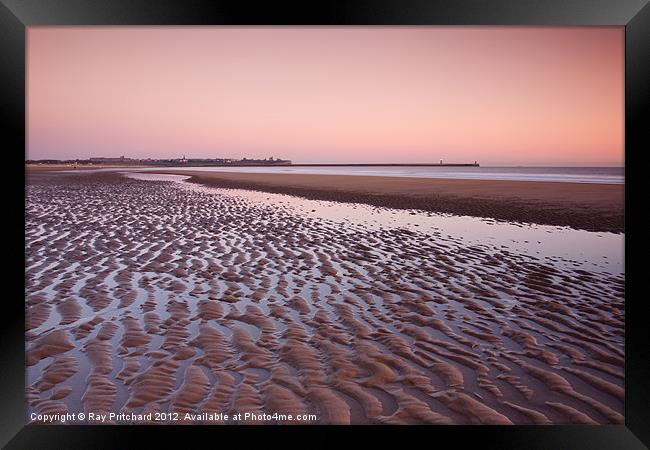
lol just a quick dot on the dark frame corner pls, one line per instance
(17, 15)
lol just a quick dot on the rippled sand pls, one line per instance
(152, 296)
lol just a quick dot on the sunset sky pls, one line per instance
(498, 95)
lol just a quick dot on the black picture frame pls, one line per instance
(634, 15)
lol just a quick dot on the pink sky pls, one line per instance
(499, 95)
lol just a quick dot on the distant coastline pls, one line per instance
(229, 163)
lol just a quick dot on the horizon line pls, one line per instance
(434, 164)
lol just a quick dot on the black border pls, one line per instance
(16, 15)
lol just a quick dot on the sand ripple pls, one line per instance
(151, 296)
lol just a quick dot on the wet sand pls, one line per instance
(154, 296)
(594, 207)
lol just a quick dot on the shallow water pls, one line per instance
(599, 175)
(605, 175)
(598, 251)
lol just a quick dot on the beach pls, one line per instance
(588, 206)
(153, 293)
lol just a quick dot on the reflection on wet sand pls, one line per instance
(158, 296)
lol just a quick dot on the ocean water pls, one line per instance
(600, 175)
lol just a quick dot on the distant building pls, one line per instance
(122, 160)
(103, 160)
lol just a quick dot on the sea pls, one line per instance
(598, 175)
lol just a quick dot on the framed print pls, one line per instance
(407, 217)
